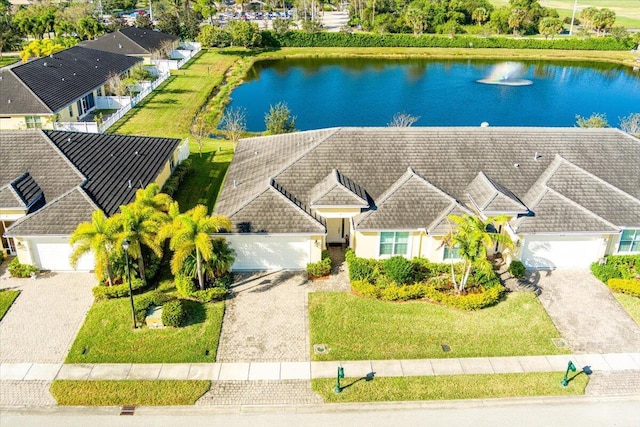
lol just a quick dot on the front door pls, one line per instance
(7, 242)
(337, 228)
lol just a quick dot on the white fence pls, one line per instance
(183, 151)
(179, 57)
(122, 103)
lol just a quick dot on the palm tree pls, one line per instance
(139, 224)
(191, 232)
(152, 197)
(471, 237)
(99, 237)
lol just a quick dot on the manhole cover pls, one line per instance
(559, 342)
(320, 349)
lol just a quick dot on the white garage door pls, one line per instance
(55, 256)
(561, 251)
(267, 252)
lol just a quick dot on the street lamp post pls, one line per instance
(125, 246)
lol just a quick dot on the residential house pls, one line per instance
(134, 41)
(60, 87)
(51, 181)
(571, 195)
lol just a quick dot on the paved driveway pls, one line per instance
(586, 314)
(43, 321)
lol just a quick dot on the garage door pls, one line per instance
(262, 252)
(55, 256)
(561, 251)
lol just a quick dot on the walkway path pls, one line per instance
(585, 312)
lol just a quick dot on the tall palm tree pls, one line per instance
(471, 237)
(99, 237)
(139, 224)
(192, 232)
(152, 197)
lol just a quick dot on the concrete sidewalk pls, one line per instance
(261, 371)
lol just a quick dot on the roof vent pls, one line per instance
(256, 153)
(63, 79)
(74, 74)
(484, 124)
(69, 139)
(97, 59)
(136, 153)
(96, 66)
(516, 165)
(129, 183)
(234, 183)
(537, 156)
(8, 101)
(45, 64)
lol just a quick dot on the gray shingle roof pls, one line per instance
(61, 163)
(492, 198)
(61, 78)
(449, 159)
(16, 98)
(338, 190)
(9, 199)
(131, 41)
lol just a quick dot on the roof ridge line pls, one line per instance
(338, 174)
(258, 194)
(299, 207)
(297, 159)
(29, 89)
(579, 206)
(61, 153)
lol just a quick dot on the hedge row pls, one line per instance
(617, 267)
(101, 292)
(471, 301)
(142, 303)
(188, 289)
(325, 39)
(21, 270)
(625, 286)
(320, 268)
(179, 174)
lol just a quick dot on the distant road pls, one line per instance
(545, 412)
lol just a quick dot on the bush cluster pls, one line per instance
(399, 269)
(625, 286)
(189, 289)
(173, 313)
(342, 39)
(21, 270)
(320, 268)
(617, 267)
(517, 269)
(142, 303)
(179, 174)
(101, 292)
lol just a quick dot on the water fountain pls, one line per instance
(506, 74)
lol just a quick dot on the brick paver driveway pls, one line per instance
(43, 321)
(586, 314)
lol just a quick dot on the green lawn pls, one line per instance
(169, 110)
(7, 297)
(447, 387)
(356, 328)
(128, 392)
(631, 304)
(108, 336)
(8, 60)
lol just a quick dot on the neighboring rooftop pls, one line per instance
(132, 41)
(498, 168)
(75, 173)
(45, 85)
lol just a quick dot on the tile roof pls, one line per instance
(338, 190)
(517, 163)
(16, 98)
(27, 190)
(61, 163)
(491, 198)
(59, 79)
(131, 41)
(10, 199)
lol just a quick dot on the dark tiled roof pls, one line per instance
(131, 41)
(447, 158)
(17, 98)
(115, 165)
(98, 167)
(66, 213)
(27, 190)
(338, 190)
(66, 76)
(492, 198)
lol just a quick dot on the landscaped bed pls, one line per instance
(7, 297)
(448, 387)
(128, 392)
(356, 328)
(631, 305)
(107, 336)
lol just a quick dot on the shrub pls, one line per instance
(617, 267)
(320, 268)
(185, 285)
(605, 272)
(177, 177)
(471, 301)
(517, 269)
(425, 269)
(101, 292)
(362, 269)
(142, 303)
(399, 269)
(21, 270)
(211, 294)
(173, 313)
(187, 288)
(626, 286)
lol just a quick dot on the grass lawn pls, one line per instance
(631, 304)
(8, 60)
(169, 110)
(108, 336)
(128, 392)
(448, 387)
(356, 328)
(7, 297)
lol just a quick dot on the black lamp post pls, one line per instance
(125, 246)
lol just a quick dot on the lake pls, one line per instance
(368, 92)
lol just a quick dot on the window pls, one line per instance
(71, 111)
(449, 254)
(629, 241)
(33, 122)
(394, 243)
